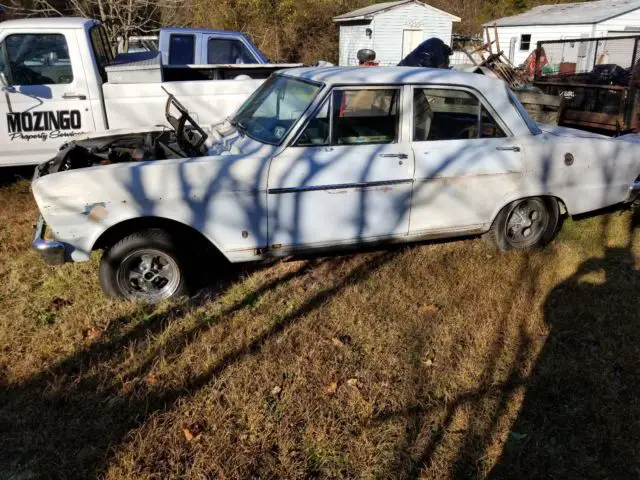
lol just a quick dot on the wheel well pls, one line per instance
(562, 207)
(183, 232)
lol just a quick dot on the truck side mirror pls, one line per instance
(4, 81)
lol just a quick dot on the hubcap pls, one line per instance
(148, 274)
(527, 223)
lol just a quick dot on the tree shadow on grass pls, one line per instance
(64, 422)
(581, 411)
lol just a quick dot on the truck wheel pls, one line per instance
(525, 224)
(144, 266)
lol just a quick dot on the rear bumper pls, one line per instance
(52, 252)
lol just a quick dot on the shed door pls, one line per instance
(410, 40)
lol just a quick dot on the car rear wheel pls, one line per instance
(144, 266)
(525, 224)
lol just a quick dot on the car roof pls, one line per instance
(393, 75)
(50, 22)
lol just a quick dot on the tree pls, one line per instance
(121, 18)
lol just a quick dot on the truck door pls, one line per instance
(225, 50)
(46, 102)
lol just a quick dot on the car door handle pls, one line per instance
(508, 149)
(394, 155)
(72, 95)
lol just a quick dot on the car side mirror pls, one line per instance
(5, 86)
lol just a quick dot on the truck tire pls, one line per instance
(525, 224)
(145, 265)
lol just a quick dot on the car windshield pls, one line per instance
(271, 111)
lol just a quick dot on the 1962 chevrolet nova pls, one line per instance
(321, 158)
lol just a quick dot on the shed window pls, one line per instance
(525, 42)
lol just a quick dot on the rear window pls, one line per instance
(101, 49)
(182, 49)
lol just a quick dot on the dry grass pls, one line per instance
(435, 361)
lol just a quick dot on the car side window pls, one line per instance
(316, 133)
(182, 49)
(39, 59)
(365, 116)
(489, 128)
(441, 114)
(222, 51)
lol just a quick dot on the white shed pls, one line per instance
(518, 35)
(391, 29)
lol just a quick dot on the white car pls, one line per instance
(319, 158)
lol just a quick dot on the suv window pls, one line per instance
(38, 59)
(182, 49)
(227, 51)
(451, 115)
(365, 116)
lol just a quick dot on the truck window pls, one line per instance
(38, 59)
(182, 50)
(3, 63)
(222, 51)
(101, 50)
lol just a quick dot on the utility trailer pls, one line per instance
(599, 79)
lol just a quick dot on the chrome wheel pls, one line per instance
(526, 223)
(149, 275)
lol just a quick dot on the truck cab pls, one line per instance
(58, 80)
(50, 91)
(190, 46)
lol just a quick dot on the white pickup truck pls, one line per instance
(58, 79)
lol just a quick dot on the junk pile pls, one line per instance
(599, 78)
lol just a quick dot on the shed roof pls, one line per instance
(569, 13)
(366, 13)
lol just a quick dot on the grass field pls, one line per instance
(444, 360)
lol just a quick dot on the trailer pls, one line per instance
(598, 78)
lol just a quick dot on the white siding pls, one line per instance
(388, 26)
(538, 33)
(352, 39)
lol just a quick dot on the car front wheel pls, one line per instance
(144, 266)
(525, 224)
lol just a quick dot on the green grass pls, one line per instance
(434, 361)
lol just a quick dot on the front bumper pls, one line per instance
(52, 252)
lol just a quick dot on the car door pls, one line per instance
(46, 103)
(467, 160)
(347, 177)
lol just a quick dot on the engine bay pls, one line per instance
(186, 139)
